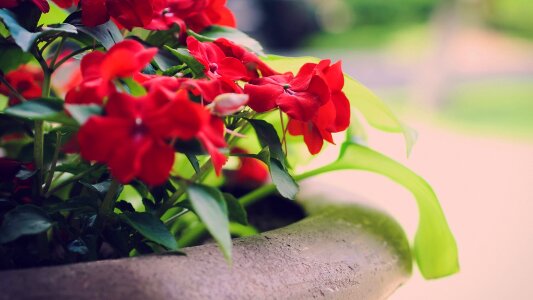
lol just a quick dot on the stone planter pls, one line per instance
(341, 252)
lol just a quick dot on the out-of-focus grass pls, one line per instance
(369, 37)
(502, 108)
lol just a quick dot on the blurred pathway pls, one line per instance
(486, 189)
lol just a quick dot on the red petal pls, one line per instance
(126, 161)
(94, 12)
(131, 13)
(91, 65)
(179, 118)
(83, 94)
(156, 163)
(232, 69)
(342, 109)
(124, 106)
(42, 5)
(99, 137)
(263, 97)
(312, 137)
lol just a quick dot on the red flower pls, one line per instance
(99, 69)
(66, 3)
(332, 117)
(196, 14)
(128, 13)
(41, 4)
(26, 80)
(253, 64)
(132, 138)
(216, 63)
(251, 172)
(299, 97)
(210, 89)
(212, 138)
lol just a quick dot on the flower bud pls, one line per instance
(227, 104)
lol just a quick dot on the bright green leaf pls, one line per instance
(54, 16)
(23, 220)
(151, 228)
(135, 88)
(210, 206)
(435, 248)
(375, 111)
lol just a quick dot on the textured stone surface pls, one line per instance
(341, 253)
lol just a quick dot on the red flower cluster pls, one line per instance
(41, 4)
(134, 137)
(313, 100)
(100, 69)
(26, 80)
(155, 14)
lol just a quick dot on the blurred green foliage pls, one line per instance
(512, 15)
(386, 12)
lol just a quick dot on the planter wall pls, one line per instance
(344, 252)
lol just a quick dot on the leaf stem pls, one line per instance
(58, 52)
(71, 55)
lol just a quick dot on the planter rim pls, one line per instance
(342, 252)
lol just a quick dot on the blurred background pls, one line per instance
(461, 74)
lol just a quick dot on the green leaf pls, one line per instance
(210, 206)
(45, 109)
(435, 248)
(214, 32)
(24, 38)
(236, 211)
(135, 88)
(82, 113)
(184, 56)
(23, 220)
(16, 56)
(151, 228)
(375, 111)
(106, 34)
(284, 182)
(268, 137)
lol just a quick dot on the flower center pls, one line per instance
(213, 67)
(287, 88)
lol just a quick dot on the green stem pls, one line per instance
(38, 149)
(71, 55)
(56, 55)
(50, 175)
(106, 209)
(71, 180)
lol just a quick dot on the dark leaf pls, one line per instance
(45, 109)
(16, 56)
(23, 220)
(82, 113)
(184, 56)
(74, 204)
(210, 206)
(125, 206)
(285, 184)
(24, 38)
(106, 34)
(194, 162)
(78, 247)
(268, 137)
(151, 228)
(236, 211)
